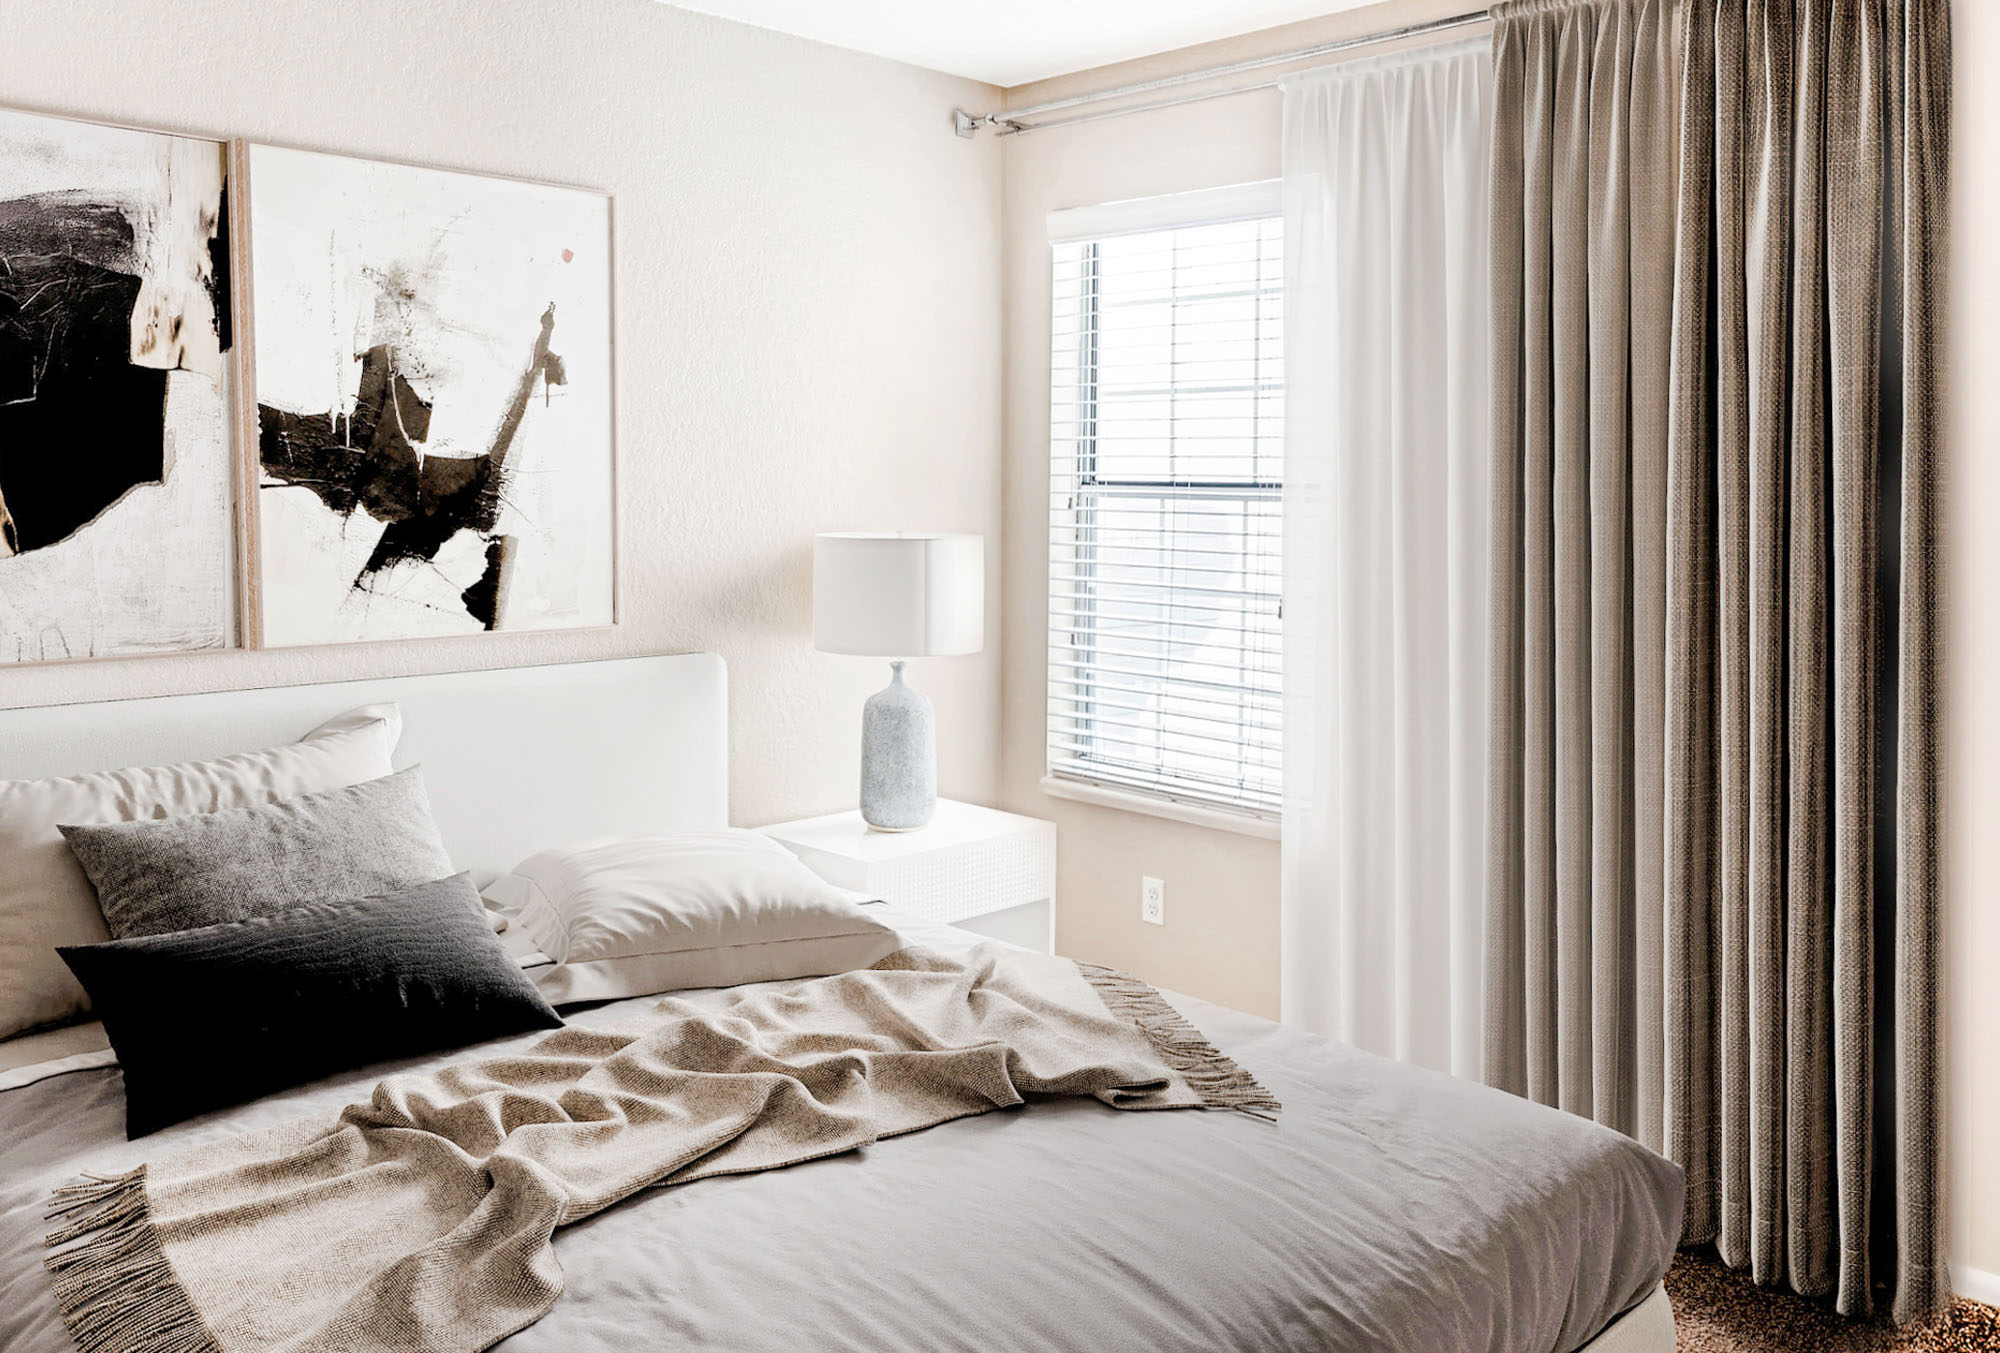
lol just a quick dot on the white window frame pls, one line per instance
(1236, 202)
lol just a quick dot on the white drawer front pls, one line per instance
(969, 880)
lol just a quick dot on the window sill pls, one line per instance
(1197, 815)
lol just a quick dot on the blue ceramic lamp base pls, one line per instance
(898, 757)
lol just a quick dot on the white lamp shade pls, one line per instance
(899, 595)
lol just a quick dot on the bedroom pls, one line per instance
(825, 311)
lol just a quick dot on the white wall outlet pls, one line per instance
(1152, 901)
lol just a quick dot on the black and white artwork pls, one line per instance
(117, 533)
(434, 440)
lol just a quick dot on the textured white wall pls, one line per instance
(807, 297)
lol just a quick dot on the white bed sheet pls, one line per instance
(1491, 1224)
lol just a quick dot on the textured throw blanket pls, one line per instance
(423, 1218)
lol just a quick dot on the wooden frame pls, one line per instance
(243, 321)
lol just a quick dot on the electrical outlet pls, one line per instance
(1152, 901)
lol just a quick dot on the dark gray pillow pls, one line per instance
(226, 1013)
(176, 873)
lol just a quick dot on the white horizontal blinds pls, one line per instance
(1166, 454)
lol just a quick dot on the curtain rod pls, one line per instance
(1009, 123)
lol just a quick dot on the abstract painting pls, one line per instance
(433, 390)
(117, 527)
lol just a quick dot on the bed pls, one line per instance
(1387, 1207)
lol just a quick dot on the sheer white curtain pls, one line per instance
(1385, 585)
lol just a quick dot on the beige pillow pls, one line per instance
(629, 916)
(45, 899)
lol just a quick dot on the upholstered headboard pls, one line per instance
(516, 759)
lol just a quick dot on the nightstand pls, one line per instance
(977, 868)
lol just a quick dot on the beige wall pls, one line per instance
(1221, 938)
(808, 312)
(1972, 736)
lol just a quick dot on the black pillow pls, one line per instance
(225, 1013)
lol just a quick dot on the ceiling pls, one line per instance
(1018, 41)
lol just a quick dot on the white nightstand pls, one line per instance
(984, 870)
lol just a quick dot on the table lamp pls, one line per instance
(898, 595)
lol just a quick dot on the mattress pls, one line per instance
(1388, 1207)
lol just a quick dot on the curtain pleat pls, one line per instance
(1731, 449)
(1505, 1046)
(1757, 1114)
(1607, 681)
(1807, 1017)
(1924, 117)
(1653, 150)
(1544, 993)
(1712, 866)
(1689, 873)
(1856, 84)
(1570, 575)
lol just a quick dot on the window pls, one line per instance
(1167, 468)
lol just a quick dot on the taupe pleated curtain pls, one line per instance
(1712, 882)
(1583, 182)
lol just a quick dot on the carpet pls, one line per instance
(1721, 1311)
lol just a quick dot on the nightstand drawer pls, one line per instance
(969, 880)
(970, 862)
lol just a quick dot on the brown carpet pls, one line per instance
(1720, 1311)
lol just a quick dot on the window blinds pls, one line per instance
(1166, 460)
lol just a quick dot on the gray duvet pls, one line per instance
(1387, 1208)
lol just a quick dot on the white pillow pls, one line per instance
(45, 899)
(629, 916)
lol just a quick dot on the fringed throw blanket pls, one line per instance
(422, 1219)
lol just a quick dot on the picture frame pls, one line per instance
(446, 268)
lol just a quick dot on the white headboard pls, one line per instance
(516, 759)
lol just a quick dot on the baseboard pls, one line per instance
(1976, 1284)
